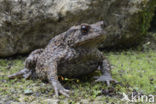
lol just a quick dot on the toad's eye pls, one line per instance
(84, 29)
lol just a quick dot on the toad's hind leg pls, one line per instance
(23, 73)
(30, 64)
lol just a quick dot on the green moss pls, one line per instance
(136, 69)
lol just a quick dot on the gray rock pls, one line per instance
(29, 24)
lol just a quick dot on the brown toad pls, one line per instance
(70, 54)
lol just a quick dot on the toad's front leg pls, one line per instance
(106, 73)
(53, 79)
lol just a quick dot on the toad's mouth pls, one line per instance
(91, 42)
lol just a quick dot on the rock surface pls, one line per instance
(29, 24)
(153, 24)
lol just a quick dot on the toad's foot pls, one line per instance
(58, 88)
(25, 73)
(105, 78)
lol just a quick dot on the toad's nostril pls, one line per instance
(102, 23)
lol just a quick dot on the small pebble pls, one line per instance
(28, 92)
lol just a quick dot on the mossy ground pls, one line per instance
(134, 69)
